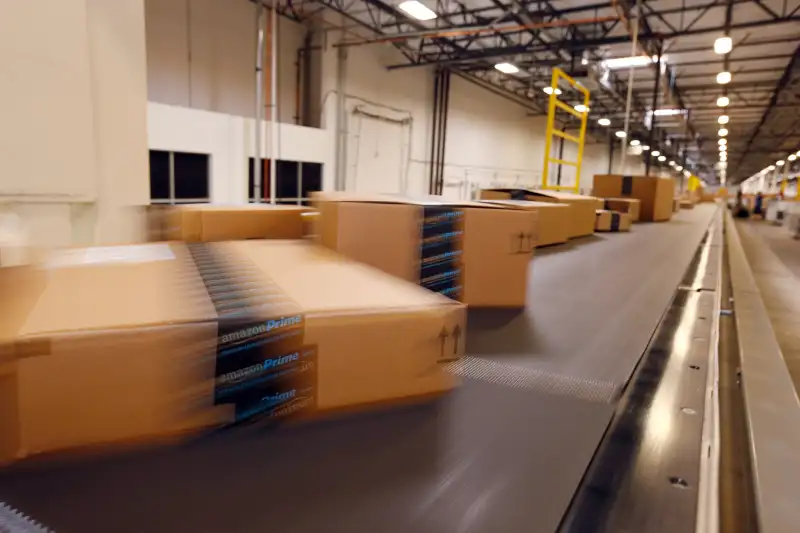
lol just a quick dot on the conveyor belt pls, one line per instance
(504, 453)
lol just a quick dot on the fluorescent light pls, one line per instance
(679, 168)
(723, 141)
(645, 148)
(724, 77)
(723, 45)
(723, 148)
(723, 132)
(723, 157)
(635, 142)
(416, 10)
(667, 112)
(771, 167)
(584, 61)
(792, 157)
(723, 101)
(604, 122)
(798, 153)
(506, 68)
(621, 134)
(549, 90)
(662, 158)
(631, 62)
(655, 152)
(687, 173)
(580, 108)
(723, 119)
(672, 163)
(781, 163)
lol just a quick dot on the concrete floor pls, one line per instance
(775, 260)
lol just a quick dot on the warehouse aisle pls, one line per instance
(774, 258)
(503, 453)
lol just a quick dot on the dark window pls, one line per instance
(159, 175)
(287, 183)
(264, 179)
(191, 176)
(312, 180)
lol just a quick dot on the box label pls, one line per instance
(627, 185)
(441, 250)
(615, 221)
(262, 366)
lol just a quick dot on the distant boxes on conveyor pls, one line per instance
(141, 342)
(612, 221)
(211, 223)
(582, 208)
(656, 194)
(473, 252)
(553, 219)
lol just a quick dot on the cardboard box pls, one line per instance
(582, 207)
(687, 204)
(553, 219)
(612, 221)
(631, 206)
(473, 252)
(655, 193)
(134, 343)
(210, 223)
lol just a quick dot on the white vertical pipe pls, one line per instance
(259, 117)
(273, 105)
(634, 46)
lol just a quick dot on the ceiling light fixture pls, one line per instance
(723, 101)
(771, 167)
(506, 68)
(687, 173)
(723, 45)
(629, 62)
(662, 158)
(672, 163)
(416, 10)
(724, 77)
(723, 119)
(723, 141)
(645, 148)
(655, 152)
(723, 132)
(580, 108)
(549, 90)
(679, 168)
(635, 142)
(781, 163)
(604, 122)
(621, 134)
(668, 112)
(792, 157)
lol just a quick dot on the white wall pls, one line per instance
(229, 140)
(201, 54)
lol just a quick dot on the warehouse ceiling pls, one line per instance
(470, 37)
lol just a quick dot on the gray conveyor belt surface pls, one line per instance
(504, 453)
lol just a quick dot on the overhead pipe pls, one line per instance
(434, 131)
(653, 117)
(634, 46)
(472, 30)
(274, 140)
(259, 118)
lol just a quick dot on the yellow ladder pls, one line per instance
(551, 131)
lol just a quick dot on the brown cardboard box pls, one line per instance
(553, 222)
(655, 193)
(687, 204)
(631, 206)
(582, 207)
(132, 343)
(612, 221)
(474, 252)
(210, 223)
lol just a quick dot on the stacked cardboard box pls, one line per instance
(142, 342)
(629, 206)
(211, 223)
(553, 219)
(582, 208)
(473, 252)
(612, 221)
(655, 194)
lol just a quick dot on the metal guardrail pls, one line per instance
(771, 402)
